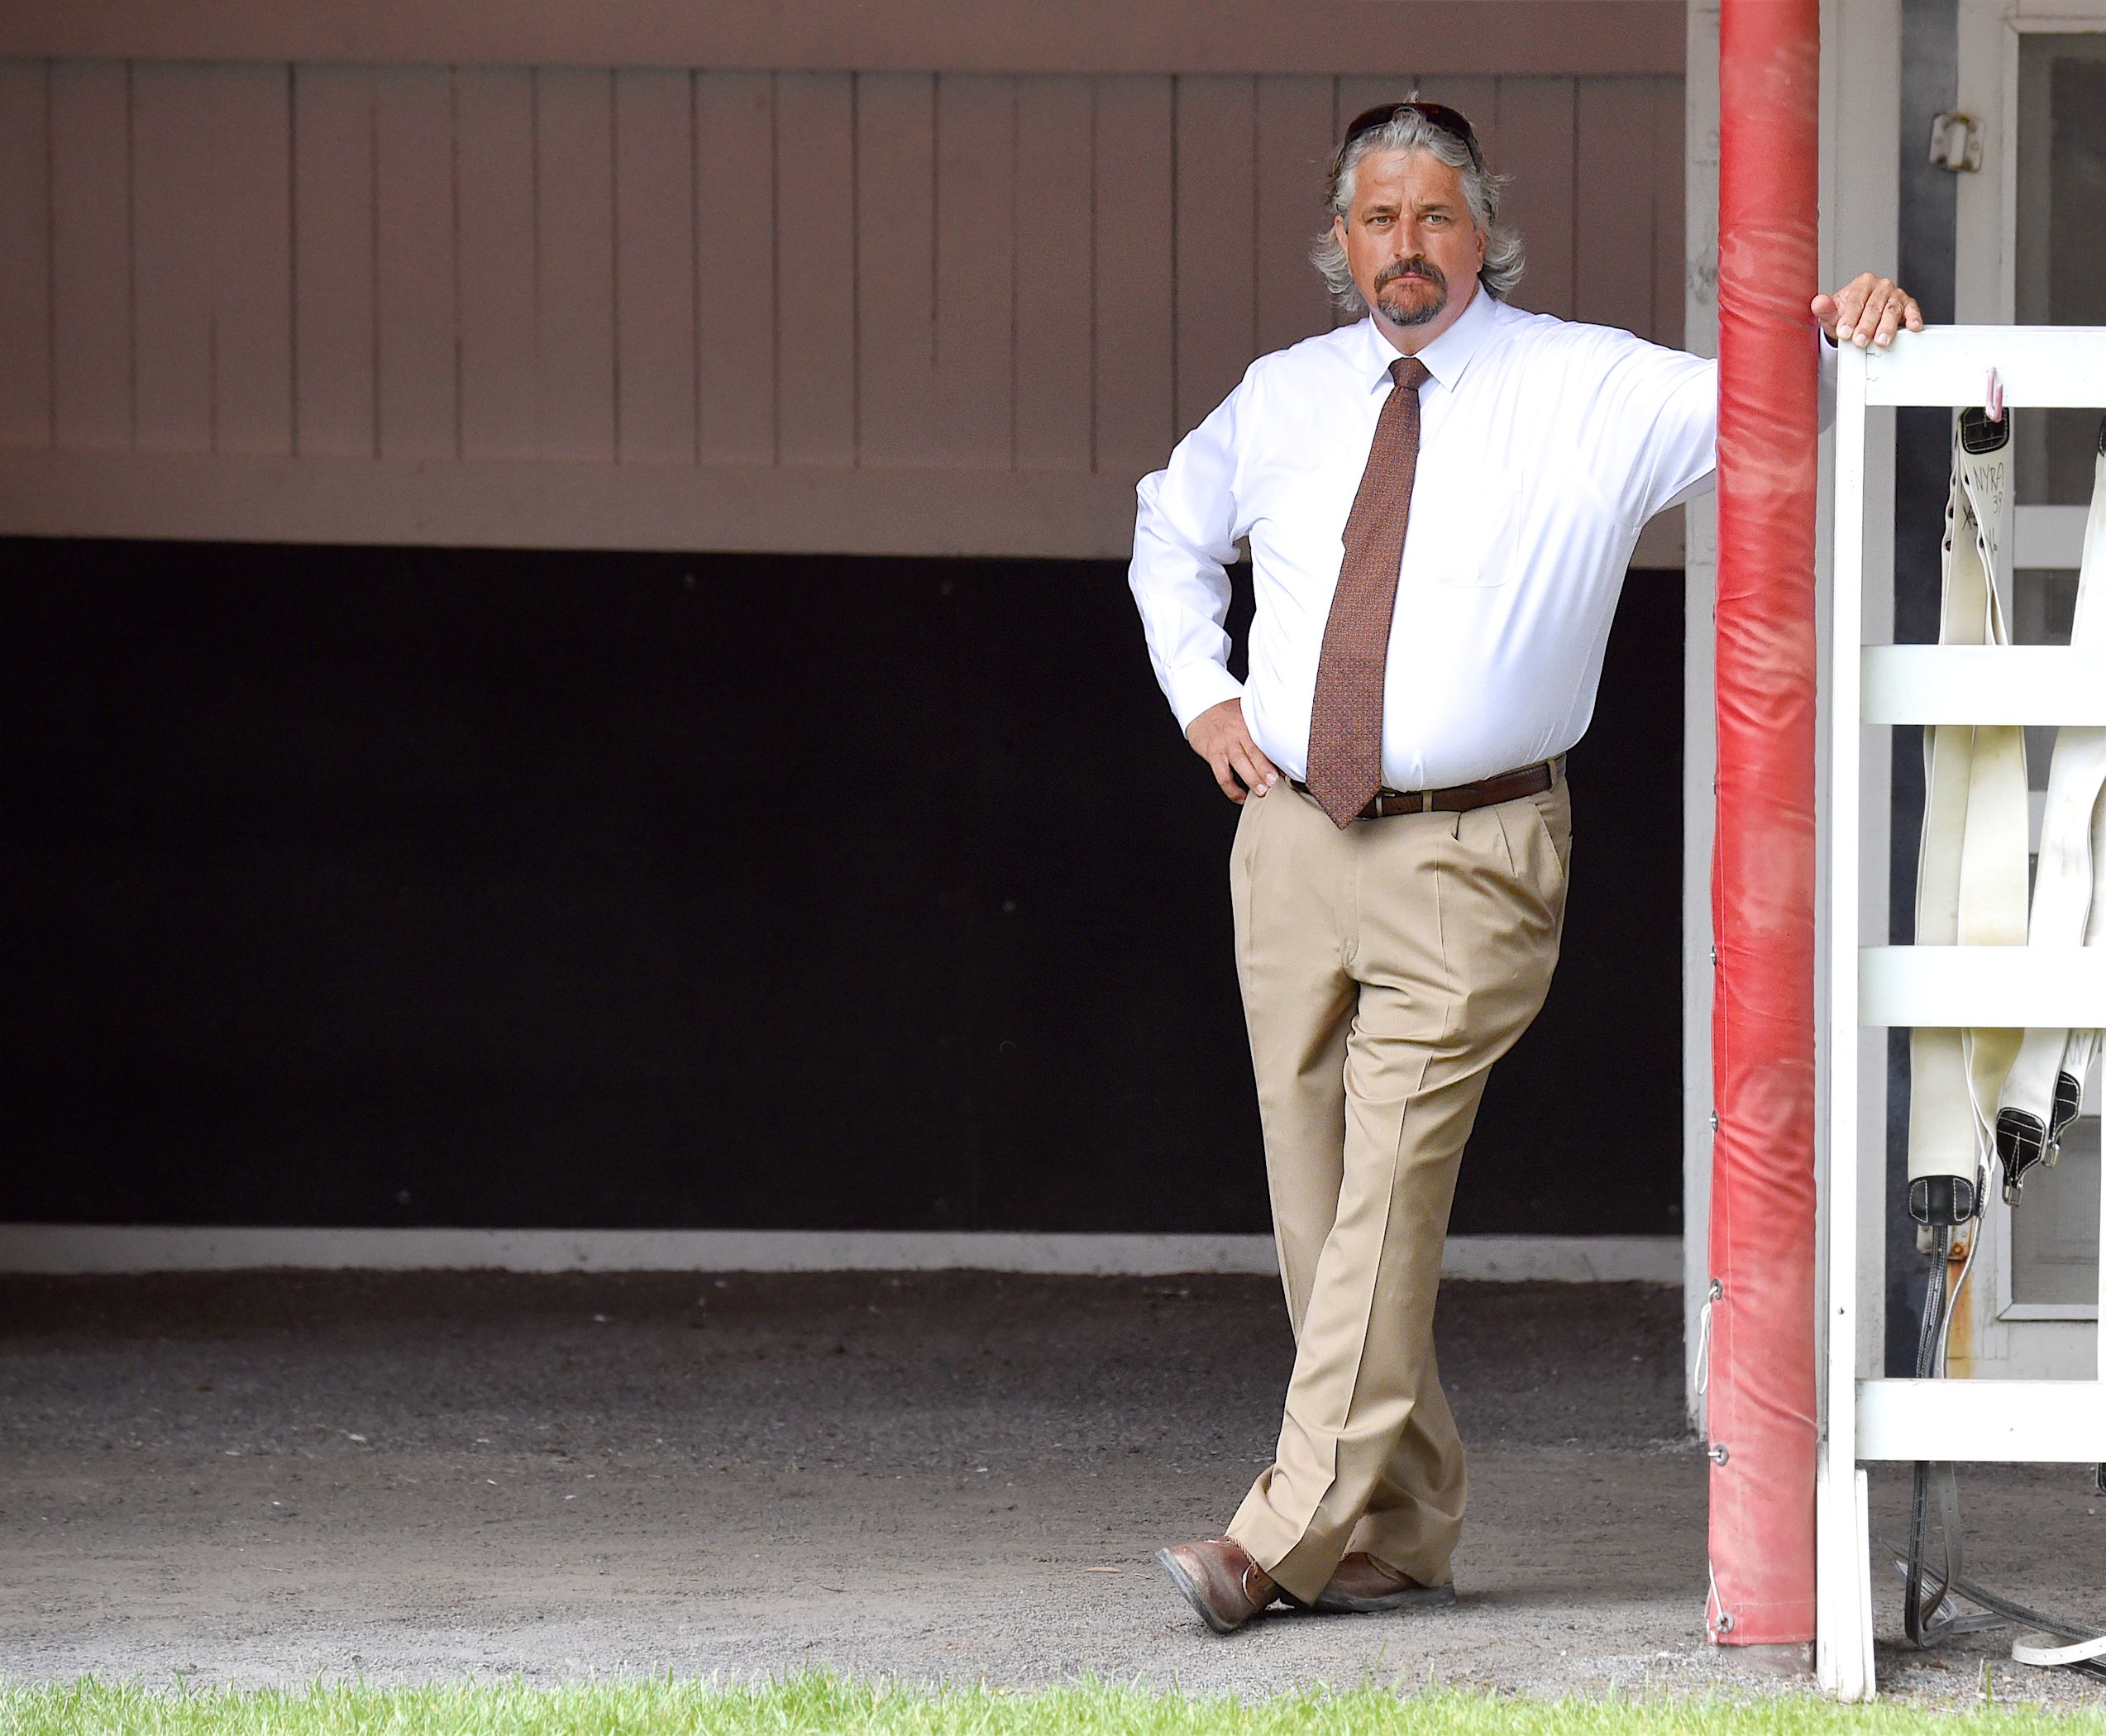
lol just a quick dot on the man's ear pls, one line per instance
(1338, 230)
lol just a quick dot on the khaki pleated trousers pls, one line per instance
(1384, 968)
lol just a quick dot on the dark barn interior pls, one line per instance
(380, 887)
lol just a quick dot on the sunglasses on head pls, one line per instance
(1439, 116)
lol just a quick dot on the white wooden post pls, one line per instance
(1842, 1553)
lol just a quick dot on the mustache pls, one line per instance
(1418, 265)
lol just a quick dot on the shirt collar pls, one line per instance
(1447, 356)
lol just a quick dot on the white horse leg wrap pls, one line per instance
(2045, 1088)
(1971, 876)
(1977, 1093)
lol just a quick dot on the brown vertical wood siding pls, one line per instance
(795, 275)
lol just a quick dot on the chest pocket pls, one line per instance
(1465, 526)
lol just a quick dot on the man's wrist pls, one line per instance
(1197, 688)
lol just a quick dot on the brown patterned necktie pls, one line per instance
(1345, 720)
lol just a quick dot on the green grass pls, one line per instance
(822, 1703)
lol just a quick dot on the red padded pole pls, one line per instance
(1763, 1364)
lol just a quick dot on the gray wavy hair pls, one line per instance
(1504, 259)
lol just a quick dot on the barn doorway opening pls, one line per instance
(383, 887)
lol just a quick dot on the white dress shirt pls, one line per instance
(1543, 448)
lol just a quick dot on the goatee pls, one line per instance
(1399, 313)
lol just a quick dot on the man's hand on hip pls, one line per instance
(1219, 737)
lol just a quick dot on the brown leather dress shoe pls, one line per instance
(1361, 1583)
(1224, 1585)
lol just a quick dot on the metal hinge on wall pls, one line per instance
(1955, 141)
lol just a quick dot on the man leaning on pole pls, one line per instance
(1440, 501)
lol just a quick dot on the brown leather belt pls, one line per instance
(1461, 797)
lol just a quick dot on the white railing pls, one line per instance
(1883, 1420)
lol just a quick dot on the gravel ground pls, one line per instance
(267, 1478)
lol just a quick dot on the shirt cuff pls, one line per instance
(1193, 688)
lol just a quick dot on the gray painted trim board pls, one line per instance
(534, 503)
(73, 1248)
